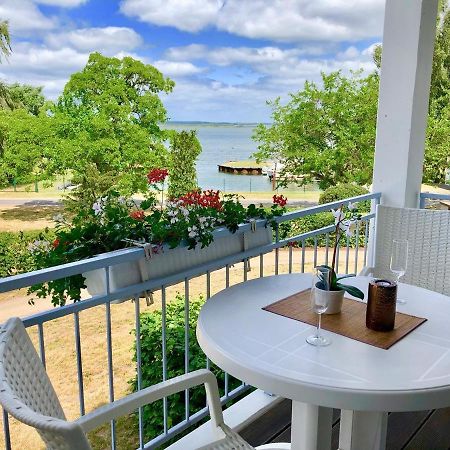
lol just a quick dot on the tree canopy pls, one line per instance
(109, 116)
(5, 40)
(324, 133)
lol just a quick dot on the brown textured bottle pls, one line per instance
(381, 302)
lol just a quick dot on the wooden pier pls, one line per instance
(242, 167)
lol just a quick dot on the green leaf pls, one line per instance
(352, 290)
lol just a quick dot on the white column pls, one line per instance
(408, 43)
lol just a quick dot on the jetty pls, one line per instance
(248, 167)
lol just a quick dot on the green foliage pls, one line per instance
(440, 76)
(312, 223)
(27, 97)
(5, 40)
(152, 358)
(91, 185)
(108, 116)
(15, 256)
(185, 148)
(324, 134)
(26, 146)
(437, 156)
(342, 191)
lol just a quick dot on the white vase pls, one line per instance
(173, 261)
(334, 300)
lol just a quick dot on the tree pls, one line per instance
(324, 133)
(108, 116)
(26, 146)
(5, 40)
(184, 151)
(25, 96)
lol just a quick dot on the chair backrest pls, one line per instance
(27, 393)
(428, 235)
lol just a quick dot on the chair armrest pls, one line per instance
(367, 271)
(151, 394)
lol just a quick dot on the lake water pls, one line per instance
(221, 143)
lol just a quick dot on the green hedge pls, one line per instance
(151, 350)
(15, 257)
(343, 191)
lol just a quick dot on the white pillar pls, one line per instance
(408, 43)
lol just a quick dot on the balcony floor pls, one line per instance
(420, 430)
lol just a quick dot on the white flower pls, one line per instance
(97, 207)
(173, 220)
(203, 219)
(122, 200)
(352, 206)
(338, 215)
(58, 218)
(192, 234)
(39, 246)
(349, 226)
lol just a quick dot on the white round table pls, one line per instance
(269, 351)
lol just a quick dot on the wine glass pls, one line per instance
(399, 261)
(319, 302)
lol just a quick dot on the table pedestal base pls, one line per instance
(311, 427)
(363, 430)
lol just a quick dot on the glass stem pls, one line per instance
(319, 324)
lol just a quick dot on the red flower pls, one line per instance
(206, 199)
(55, 243)
(137, 215)
(157, 175)
(280, 200)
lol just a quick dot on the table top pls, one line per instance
(269, 351)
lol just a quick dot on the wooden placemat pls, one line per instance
(351, 322)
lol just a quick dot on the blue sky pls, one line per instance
(227, 57)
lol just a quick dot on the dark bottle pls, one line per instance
(381, 302)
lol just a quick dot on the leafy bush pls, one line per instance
(343, 191)
(152, 362)
(311, 223)
(15, 257)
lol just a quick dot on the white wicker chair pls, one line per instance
(28, 395)
(428, 235)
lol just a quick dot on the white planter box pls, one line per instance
(173, 261)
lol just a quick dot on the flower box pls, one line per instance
(173, 261)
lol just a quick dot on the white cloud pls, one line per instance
(62, 3)
(177, 69)
(24, 16)
(224, 56)
(40, 66)
(108, 39)
(187, 15)
(279, 20)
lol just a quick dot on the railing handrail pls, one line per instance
(432, 196)
(325, 207)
